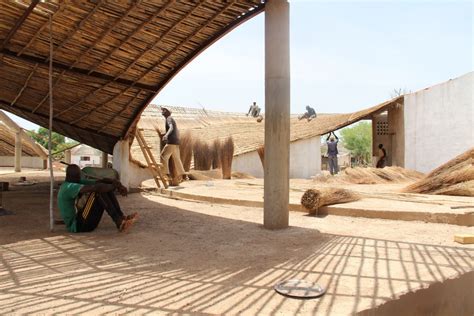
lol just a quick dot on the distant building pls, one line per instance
(86, 156)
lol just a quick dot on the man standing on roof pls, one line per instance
(309, 114)
(254, 110)
(171, 149)
(82, 202)
(332, 153)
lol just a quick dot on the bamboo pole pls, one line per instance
(50, 79)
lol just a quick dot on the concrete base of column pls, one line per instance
(121, 161)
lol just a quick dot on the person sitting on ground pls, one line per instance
(382, 157)
(254, 110)
(171, 149)
(332, 153)
(309, 114)
(82, 202)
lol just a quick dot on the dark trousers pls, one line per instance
(333, 167)
(89, 216)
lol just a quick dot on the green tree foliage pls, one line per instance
(59, 143)
(358, 139)
(42, 137)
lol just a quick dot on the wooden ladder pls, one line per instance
(152, 164)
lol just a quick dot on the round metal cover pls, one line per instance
(299, 288)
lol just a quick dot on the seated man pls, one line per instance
(82, 202)
(309, 114)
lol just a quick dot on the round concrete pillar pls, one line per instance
(277, 114)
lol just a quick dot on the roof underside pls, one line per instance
(110, 60)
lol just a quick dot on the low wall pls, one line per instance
(26, 162)
(451, 297)
(305, 160)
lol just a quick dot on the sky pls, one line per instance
(344, 55)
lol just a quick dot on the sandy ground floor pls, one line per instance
(187, 257)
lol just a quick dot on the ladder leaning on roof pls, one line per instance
(152, 164)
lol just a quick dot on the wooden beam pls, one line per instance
(24, 86)
(62, 6)
(138, 29)
(121, 111)
(77, 28)
(123, 71)
(73, 70)
(19, 23)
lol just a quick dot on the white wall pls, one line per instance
(305, 160)
(26, 162)
(95, 161)
(439, 123)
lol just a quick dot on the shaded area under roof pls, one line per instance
(111, 58)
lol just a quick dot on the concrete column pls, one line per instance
(277, 114)
(121, 161)
(18, 151)
(104, 159)
(67, 156)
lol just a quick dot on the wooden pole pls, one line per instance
(51, 191)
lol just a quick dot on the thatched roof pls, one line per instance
(110, 58)
(248, 134)
(7, 143)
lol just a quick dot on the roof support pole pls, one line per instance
(17, 151)
(277, 114)
(104, 159)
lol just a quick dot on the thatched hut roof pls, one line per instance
(247, 133)
(110, 58)
(7, 144)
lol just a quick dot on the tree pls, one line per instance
(42, 138)
(358, 139)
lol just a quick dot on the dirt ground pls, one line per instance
(186, 257)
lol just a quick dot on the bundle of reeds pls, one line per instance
(313, 199)
(227, 154)
(186, 150)
(359, 175)
(261, 154)
(456, 177)
(202, 155)
(216, 154)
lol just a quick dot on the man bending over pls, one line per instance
(82, 202)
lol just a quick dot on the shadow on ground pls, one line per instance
(177, 260)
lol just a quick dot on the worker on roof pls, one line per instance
(309, 114)
(82, 202)
(254, 110)
(171, 149)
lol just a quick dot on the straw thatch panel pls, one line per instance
(110, 58)
(455, 177)
(7, 144)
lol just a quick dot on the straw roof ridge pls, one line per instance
(247, 133)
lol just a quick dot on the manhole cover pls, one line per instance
(299, 289)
